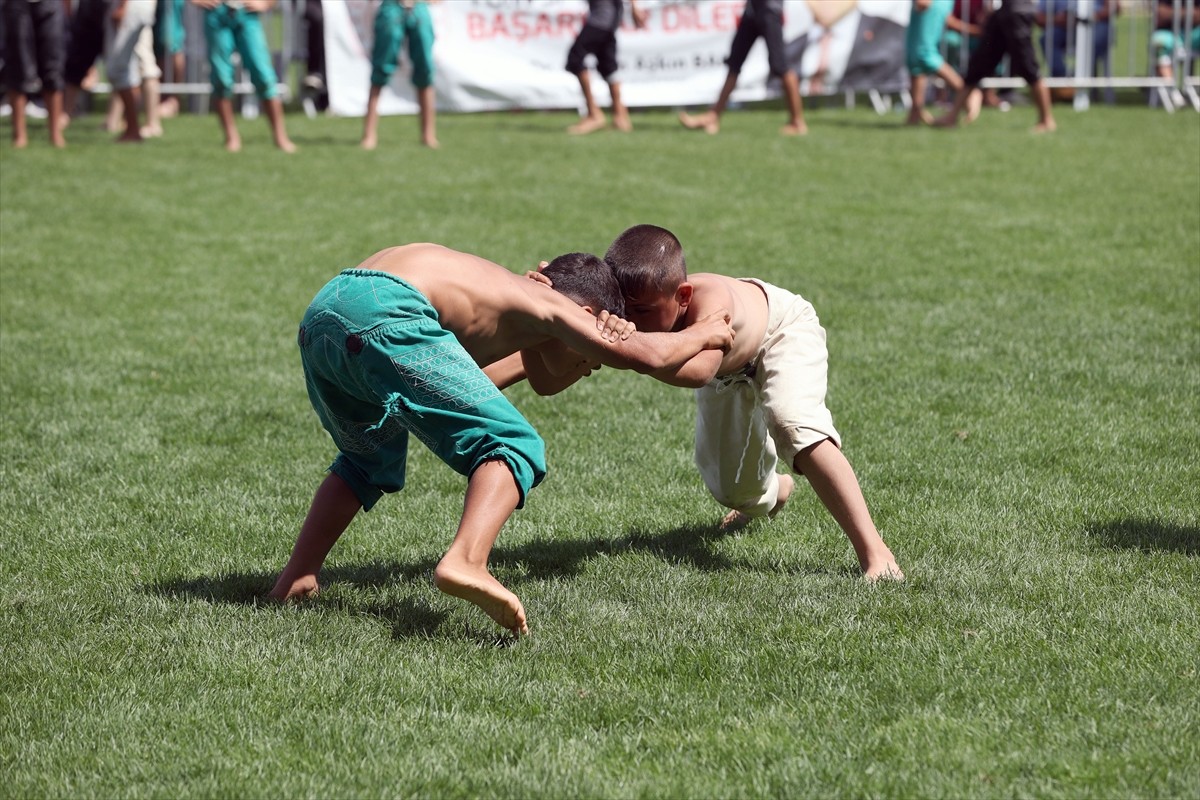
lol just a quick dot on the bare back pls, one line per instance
(493, 312)
(748, 312)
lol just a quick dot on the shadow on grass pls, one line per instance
(691, 545)
(409, 617)
(1147, 535)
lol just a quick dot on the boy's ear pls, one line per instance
(683, 295)
(589, 309)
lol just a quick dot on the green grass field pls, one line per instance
(1014, 328)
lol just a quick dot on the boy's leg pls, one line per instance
(492, 496)
(333, 507)
(427, 104)
(594, 120)
(274, 108)
(917, 115)
(620, 113)
(54, 106)
(20, 135)
(1041, 99)
(224, 107)
(129, 104)
(370, 137)
(833, 479)
(152, 99)
(710, 121)
(796, 125)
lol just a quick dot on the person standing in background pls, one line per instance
(395, 22)
(599, 38)
(34, 58)
(760, 18)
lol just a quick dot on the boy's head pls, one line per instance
(652, 273)
(588, 281)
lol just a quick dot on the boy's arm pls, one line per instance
(543, 381)
(643, 352)
(507, 371)
(696, 372)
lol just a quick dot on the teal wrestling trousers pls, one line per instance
(380, 366)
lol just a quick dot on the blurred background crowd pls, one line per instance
(137, 63)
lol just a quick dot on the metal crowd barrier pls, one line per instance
(1132, 18)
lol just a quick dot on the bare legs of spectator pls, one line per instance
(967, 99)
(427, 104)
(918, 115)
(54, 106)
(129, 110)
(274, 111)
(1041, 98)
(594, 118)
(152, 100)
(710, 121)
(370, 137)
(173, 70)
(791, 92)
(115, 113)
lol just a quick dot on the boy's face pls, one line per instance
(658, 312)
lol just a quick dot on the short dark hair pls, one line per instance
(587, 280)
(647, 259)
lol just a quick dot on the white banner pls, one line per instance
(500, 54)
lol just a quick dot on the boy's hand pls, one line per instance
(536, 274)
(716, 327)
(612, 328)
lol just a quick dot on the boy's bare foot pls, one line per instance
(622, 122)
(587, 125)
(882, 568)
(708, 122)
(369, 142)
(151, 131)
(169, 108)
(233, 144)
(736, 520)
(476, 585)
(431, 142)
(794, 129)
(974, 106)
(1049, 126)
(130, 137)
(299, 589)
(20, 142)
(285, 144)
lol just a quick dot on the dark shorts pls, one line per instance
(758, 22)
(1004, 33)
(35, 50)
(380, 366)
(86, 39)
(598, 42)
